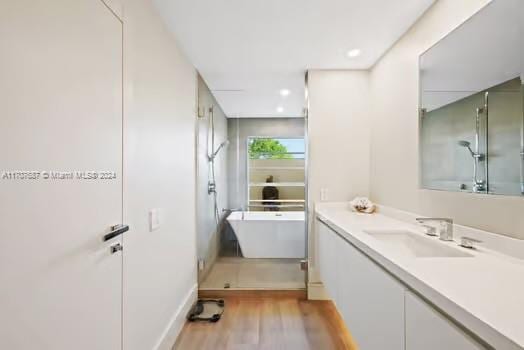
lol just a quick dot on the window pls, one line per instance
(276, 148)
(276, 173)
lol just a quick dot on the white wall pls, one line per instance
(338, 128)
(159, 166)
(208, 239)
(394, 133)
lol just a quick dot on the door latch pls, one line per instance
(117, 247)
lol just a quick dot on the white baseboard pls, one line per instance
(316, 291)
(170, 334)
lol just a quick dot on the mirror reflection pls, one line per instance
(472, 99)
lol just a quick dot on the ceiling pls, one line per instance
(248, 50)
(483, 52)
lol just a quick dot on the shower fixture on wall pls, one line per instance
(475, 155)
(211, 155)
(479, 185)
(467, 144)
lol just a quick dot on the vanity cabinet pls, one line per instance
(329, 245)
(370, 301)
(379, 310)
(428, 329)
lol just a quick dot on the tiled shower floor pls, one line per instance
(242, 273)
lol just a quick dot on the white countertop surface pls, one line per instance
(484, 293)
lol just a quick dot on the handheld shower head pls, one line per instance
(222, 145)
(467, 145)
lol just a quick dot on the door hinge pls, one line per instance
(304, 265)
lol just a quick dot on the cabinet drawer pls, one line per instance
(369, 299)
(428, 329)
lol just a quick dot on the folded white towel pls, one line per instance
(362, 205)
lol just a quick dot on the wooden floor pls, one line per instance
(272, 323)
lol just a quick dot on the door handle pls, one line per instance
(116, 230)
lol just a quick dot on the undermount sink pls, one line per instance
(416, 245)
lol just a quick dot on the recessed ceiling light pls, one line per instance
(353, 53)
(280, 109)
(284, 92)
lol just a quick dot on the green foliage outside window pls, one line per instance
(268, 149)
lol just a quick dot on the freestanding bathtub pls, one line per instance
(269, 234)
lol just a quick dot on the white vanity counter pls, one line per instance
(483, 292)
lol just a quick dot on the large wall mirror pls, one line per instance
(472, 102)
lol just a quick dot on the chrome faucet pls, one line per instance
(446, 227)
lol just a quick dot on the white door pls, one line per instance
(60, 110)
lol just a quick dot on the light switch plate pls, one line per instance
(323, 194)
(155, 219)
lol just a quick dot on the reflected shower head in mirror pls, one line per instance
(222, 145)
(467, 145)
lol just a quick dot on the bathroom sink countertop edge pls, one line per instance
(483, 292)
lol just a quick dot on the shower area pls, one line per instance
(251, 195)
(483, 135)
